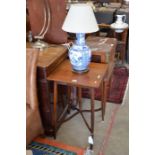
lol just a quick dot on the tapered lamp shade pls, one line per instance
(80, 19)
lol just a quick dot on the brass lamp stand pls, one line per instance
(47, 17)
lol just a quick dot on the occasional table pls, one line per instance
(63, 75)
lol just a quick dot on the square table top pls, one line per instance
(91, 79)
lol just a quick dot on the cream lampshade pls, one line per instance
(80, 20)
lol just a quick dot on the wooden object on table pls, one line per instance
(48, 60)
(91, 79)
(103, 49)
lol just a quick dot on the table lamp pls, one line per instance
(80, 20)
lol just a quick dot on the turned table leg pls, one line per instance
(55, 109)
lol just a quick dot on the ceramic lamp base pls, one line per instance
(80, 54)
(80, 71)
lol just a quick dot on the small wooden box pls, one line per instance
(103, 49)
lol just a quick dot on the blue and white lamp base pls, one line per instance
(80, 54)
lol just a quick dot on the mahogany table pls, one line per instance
(91, 80)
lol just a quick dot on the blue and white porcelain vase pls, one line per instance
(80, 54)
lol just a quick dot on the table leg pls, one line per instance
(92, 115)
(69, 98)
(109, 84)
(55, 109)
(80, 108)
(74, 97)
(104, 99)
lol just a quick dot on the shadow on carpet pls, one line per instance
(118, 86)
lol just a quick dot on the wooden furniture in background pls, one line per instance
(121, 45)
(48, 60)
(103, 51)
(91, 80)
(55, 34)
(33, 120)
